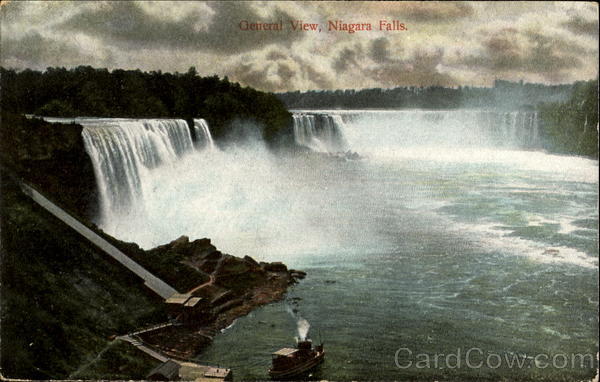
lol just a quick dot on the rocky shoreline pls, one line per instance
(234, 287)
(75, 285)
(226, 286)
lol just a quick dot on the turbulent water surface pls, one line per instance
(453, 232)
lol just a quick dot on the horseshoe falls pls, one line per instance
(326, 131)
(451, 231)
(320, 132)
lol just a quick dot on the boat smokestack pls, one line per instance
(306, 344)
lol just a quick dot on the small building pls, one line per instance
(219, 373)
(187, 308)
(166, 371)
(193, 309)
(191, 371)
(285, 352)
(178, 298)
(194, 302)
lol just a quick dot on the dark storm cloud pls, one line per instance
(379, 50)
(527, 51)
(127, 23)
(36, 51)
(316, 77)
(581, 26)
(275, 55)
(419, 70)
(504, 52)
(551, 44)
(435, 11)
(279, 75)
(11, 10)
(285, 72)
(256, 78)
(31, 47)
(346, 59)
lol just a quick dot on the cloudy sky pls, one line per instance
(446, 43)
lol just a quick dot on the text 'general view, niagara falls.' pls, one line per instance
(353, 206)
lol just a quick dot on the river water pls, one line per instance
(443, 242)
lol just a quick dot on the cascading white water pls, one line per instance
(535, 127)
(383, 227)
(320, 132)
(122, 150)
(327, 131)
(252, 202)
(203, 137)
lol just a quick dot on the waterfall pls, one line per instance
(203, 137)
(536, 133)
(521, 130)
(512, 127)
(122, 150)
(320, 132)
(368, 131)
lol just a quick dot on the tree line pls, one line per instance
(571, 127)
(568, 112)
(504, 94)
(86, 91)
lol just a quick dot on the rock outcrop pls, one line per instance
(231, 287)
(52, 157)
(70, 280)
(71, 284)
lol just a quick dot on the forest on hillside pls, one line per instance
(571, 127)
(568, 112)
(503, 95)
(88, 92)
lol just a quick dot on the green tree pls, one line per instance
(572, 127)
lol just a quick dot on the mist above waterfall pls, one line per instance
(377, 131)
(250, 201)
(246, 199)
(400, 242)
(439, 204)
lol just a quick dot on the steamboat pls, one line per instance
(295, 362)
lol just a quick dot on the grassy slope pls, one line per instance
(60, 298)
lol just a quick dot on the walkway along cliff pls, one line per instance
(203, 290)
(154, 283)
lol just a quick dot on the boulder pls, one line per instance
(251, 261)
(234, 265)
(276, 266)
(297, 274)
(180, 243)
